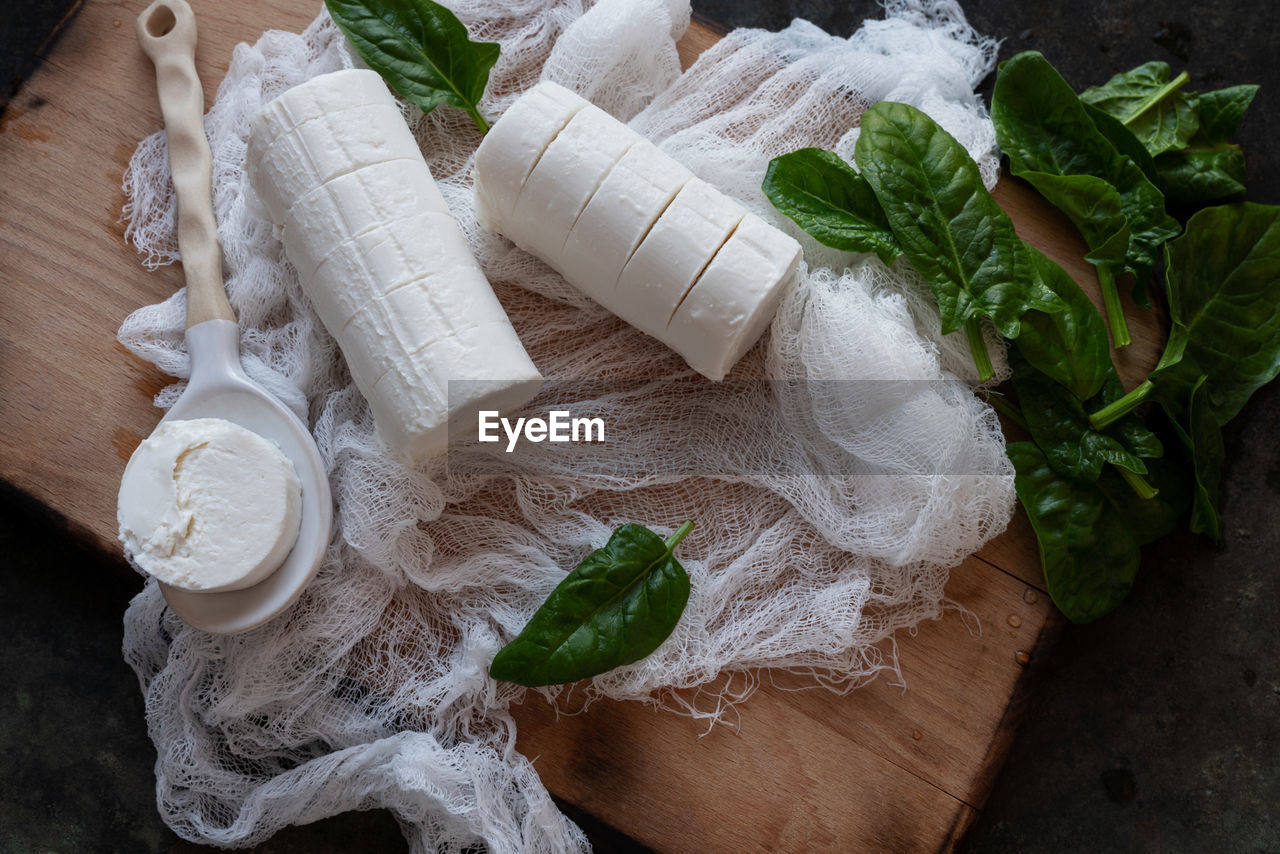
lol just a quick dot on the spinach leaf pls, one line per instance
(1210, 167)
(1045, 128)
(1223, 283)
(1221, 111)
(1093, 206)
(1059, 423)
(829, 200)
(1202, 174)
(421, 49)
(1069, 346)
(1204, 441)
(618, 606)
(1129, 431)
(1149, 519)
(1124, 141)
(1149, 104)
(1087, 551)
(947, 224)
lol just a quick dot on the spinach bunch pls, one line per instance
(1053, 143)
(1094, 477)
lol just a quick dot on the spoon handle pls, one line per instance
(167, 32)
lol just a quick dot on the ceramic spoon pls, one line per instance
(218, 387)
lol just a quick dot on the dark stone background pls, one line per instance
(1155, 729)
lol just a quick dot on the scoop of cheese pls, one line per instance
(209, 505)
(632, 228)
(383, 261)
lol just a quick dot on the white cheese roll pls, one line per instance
(632, 228)
(383, 261)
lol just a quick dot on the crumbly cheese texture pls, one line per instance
(208, 505)
(632, 228)
(382, 259)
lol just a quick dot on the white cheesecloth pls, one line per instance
(825, 525)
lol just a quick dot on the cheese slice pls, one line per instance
(566, 177)
(735, 298)
(484, 367)
(513, 146)
(624, 208)
(350, 205)
(673, 255)
(208, 505)
(319, 96)
(326, 147)
(391, 255)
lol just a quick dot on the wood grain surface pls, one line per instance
(890, 767)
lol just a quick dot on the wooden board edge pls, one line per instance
(77, 534)
(1024, 689)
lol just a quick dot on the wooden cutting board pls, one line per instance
(890, 767)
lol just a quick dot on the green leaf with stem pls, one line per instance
(947, 224)
(421, 49)
(617, 607)
(1059, 423)
(1149, 104)
(1224, 307)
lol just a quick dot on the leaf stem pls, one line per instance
(978, 347)
(1115, 311)
(680, 533)
(474, 112)
(1001, 404)
(1118, 409)
(1144, 490)
(1169, 88)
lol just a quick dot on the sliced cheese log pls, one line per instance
(673, 255)
(420, 398)
(624, 209)
(353, 204)
(632, 228)
(327, 147)
(384, 263)
(735, 298)
(566, 177)
(508, 152)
